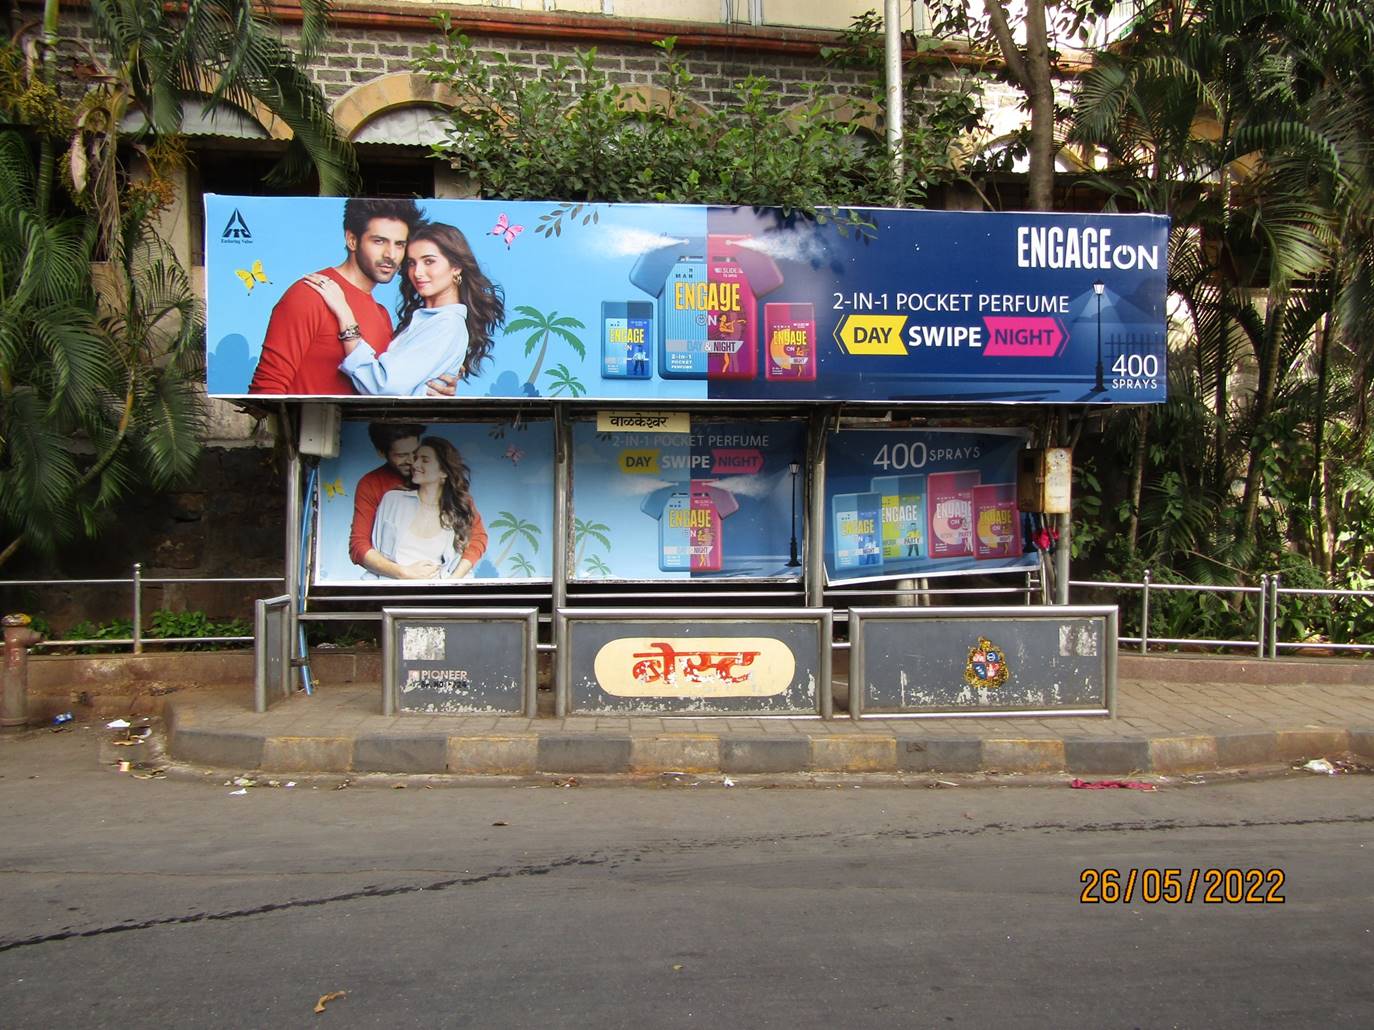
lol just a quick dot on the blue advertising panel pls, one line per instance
(445, 503)
(645, 302)
(907, 502)
(721, 500)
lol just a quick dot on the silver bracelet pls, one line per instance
(351, 332)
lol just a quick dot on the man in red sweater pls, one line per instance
(396, 443)
(301, 351)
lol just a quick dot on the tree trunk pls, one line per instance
(1142, 450)
(1264, 404)
(1040, 90)
(1325, 558)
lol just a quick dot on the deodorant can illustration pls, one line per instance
(627, 339)
(903, 513)
(857, 530)
(950, 496)
(732, 315)
(683, 315)
(789, 334)
(996, 522)
(690, 530)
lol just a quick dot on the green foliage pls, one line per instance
(163, 624)
(1261, 460)
(571, 133)
(101, 333)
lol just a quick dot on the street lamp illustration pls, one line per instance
(1098, 288)
(794, 561)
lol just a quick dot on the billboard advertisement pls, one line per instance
(445, 503)
(905, 502)
(715, 499)
(317, 296)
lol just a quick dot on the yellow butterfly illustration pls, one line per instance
(252, 277)
(334, 489)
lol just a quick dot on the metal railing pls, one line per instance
(1268, 616)
(136, 583)
(1267, 641)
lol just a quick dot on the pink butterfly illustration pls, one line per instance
(514, 453)
(503, 228)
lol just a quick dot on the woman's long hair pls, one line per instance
(485, 300)
(456, 510)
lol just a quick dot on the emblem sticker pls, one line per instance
(987, 665)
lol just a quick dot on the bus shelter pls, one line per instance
(706, 452)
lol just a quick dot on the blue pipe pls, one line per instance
(306, 679)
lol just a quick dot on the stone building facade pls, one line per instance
(229, 522)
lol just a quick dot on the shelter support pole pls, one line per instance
(293, 535)
(561, 534)
(813, 522)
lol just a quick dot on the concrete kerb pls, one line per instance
(526, 754)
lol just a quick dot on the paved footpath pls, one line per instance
(1173, 715)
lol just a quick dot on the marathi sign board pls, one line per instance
(650, 302)
(497, 525)
(680, 662)
(272, 673)
(464, 662)
(908, 502)
(1054, 660)
(711, 499)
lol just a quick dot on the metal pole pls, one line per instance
(813, 519)
(892, 64)
(1145, 614)
(561, 530)
(1263, 597)
(293, 537)
(1274, 617)
(138, 608)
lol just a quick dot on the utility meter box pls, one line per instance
(320, 425)
(1045, 480)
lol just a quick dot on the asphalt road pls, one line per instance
(171, 902)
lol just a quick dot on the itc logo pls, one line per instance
(237, 231)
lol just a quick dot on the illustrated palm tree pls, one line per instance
(542, 328)
(564, 381)
(597, 567)
(588, 531)
(521, 564)
(511, 529)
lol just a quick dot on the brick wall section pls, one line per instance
(355, 56)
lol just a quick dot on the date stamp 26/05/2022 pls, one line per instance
(1214, 886)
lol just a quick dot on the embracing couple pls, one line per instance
(327, 336)
(413, 516)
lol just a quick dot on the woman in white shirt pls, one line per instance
(448, 313)
(428, 531)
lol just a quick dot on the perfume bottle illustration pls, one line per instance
(627, 339)
(950, 500)
(903, 514)
(789, 333)
(996, 521)
(857, 530)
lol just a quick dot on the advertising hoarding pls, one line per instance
(386, 516)
(718, 499)
(644, 302)
(908, 502)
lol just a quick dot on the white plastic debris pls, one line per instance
(238, 793)
(118, 724)
(728, 782)
(1320, 765)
